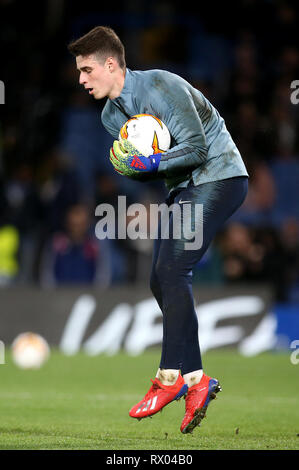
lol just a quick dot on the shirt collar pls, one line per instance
(128, 84)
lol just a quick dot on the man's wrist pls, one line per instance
(155, 159)
(162, 168)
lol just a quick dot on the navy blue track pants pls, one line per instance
(171, 277)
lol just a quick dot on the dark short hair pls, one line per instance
(101, 41)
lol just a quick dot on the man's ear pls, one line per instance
(111, 64)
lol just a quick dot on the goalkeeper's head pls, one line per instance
(100, 58)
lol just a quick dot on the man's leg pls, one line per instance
(180, 349)
(172, 274)
(166, 376)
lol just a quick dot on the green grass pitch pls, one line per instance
(82, 402)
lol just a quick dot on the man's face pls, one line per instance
(94, 76)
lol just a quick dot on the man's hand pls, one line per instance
(128, 161)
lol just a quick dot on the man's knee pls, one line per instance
(160, 275)
(170, 274)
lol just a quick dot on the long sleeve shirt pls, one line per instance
(201, 146)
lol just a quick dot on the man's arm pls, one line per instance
(108, 119)
(171, 100)
(176, 107)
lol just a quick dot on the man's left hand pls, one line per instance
(128, 161)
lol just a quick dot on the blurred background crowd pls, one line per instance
(54, 165)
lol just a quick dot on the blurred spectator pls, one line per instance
(259, 203)
(242, 259)
(85, 141)
(157, 39)
(290, 243)
(107, 189)
(139, 250)
(254, 255)
(9, 247)
(75, 255)
(285, 172)
(58, 188)
(251, 132)
(245, 76)
(284, 28)
(23, 211)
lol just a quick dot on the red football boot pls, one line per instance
(197, 401)
(157, 397)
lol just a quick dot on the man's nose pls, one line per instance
(82, 79)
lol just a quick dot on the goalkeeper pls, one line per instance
(203, 166)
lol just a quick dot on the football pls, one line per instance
(30, 351)
(147, 133)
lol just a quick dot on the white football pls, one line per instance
(147, 133)
(30, 350)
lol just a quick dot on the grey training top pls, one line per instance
(201, 147)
